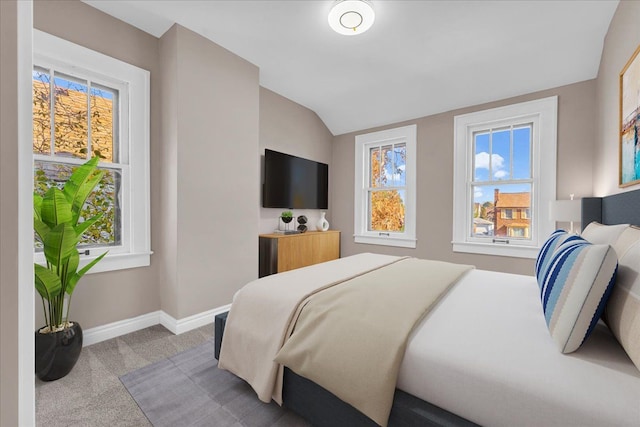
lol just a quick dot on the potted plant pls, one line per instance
(56, 223)
(287, 217)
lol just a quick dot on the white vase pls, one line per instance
(322, 224)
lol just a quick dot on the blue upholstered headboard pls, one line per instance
(623, 208)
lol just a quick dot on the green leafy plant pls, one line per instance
(56, 223)
(287, 217)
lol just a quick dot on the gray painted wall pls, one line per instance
(435, 177)
(211, 148)
(9, 283)
(290, 128)
(166, 242)
(622, 40)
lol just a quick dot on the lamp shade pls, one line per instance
(565, 210)
(351, 17)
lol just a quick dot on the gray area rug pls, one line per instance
(188, 390)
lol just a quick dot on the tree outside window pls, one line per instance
(387, 187)
(82, 125)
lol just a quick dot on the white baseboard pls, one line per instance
(122, 327)
(192, 322)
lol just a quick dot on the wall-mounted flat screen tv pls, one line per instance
(293, 182)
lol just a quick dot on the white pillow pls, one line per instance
(629, 237)
(599, 234)
(623, 308)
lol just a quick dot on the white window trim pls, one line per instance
(406, 239)
(543, 112)
(60, 53)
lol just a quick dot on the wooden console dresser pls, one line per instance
(283, 252)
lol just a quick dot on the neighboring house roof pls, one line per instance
(482, 221)
(514, 200)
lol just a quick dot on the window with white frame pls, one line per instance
(385, 187)
(87, 104)
(505, 178)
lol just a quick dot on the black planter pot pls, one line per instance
(58, 352)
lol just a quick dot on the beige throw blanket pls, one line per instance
(264, 310)
(356, 351)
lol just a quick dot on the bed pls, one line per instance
(483, 355)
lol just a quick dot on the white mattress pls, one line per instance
(485, 354)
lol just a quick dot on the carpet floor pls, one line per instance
(93, 395)
(189, 390)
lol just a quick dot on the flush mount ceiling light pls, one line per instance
(351, 17)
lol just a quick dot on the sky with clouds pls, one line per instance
(498, 159)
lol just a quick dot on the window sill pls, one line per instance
(112, 262)
(401, 242)
(494, 249)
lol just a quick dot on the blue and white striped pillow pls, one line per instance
(574, 290)
(545, 255)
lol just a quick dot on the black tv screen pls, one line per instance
(292, 182)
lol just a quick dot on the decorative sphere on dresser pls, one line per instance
(302, 221)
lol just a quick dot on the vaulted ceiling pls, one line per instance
(418, 59)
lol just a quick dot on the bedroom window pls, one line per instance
(504, 178)
(87, 104)
(385, 187)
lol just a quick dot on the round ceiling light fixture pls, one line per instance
(351, 17)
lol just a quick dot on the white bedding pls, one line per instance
(485, 354)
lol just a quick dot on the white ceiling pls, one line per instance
(418, 59)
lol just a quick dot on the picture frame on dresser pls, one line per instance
(630, 122)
